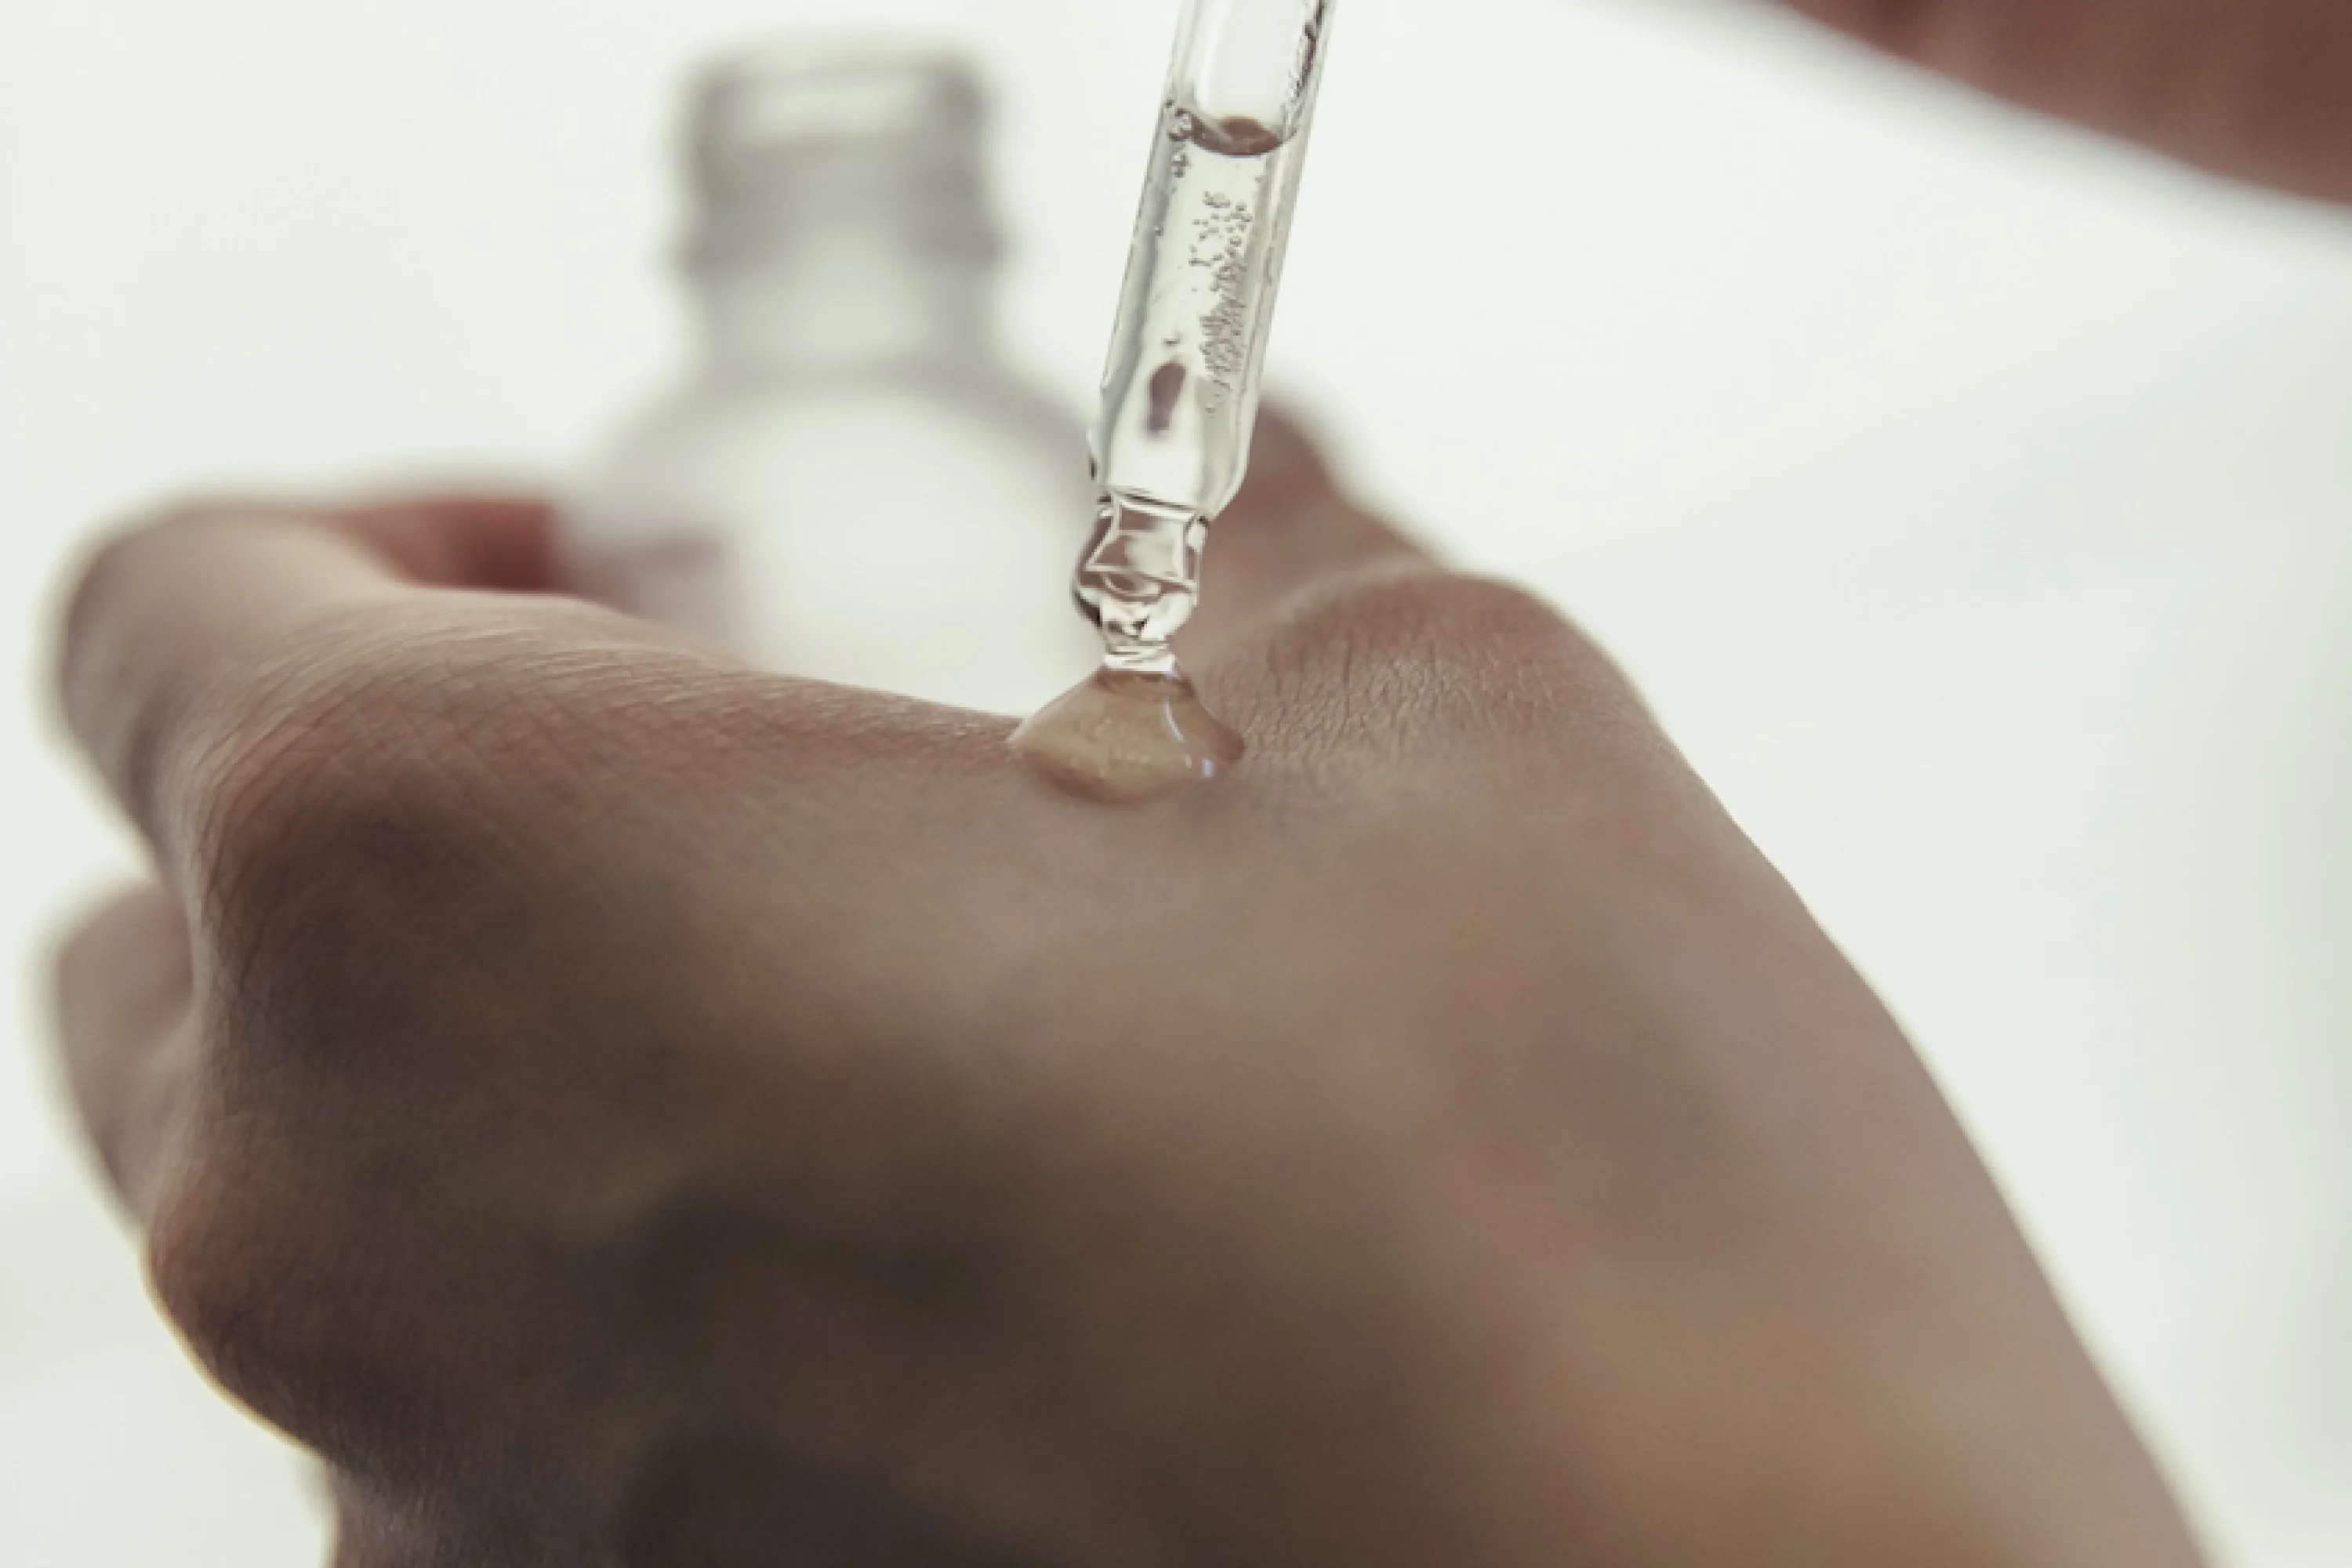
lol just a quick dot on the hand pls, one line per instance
(620, 1108)
(2258, 89)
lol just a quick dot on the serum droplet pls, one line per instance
(1173, 436)
(1126, 736)
(1137, 729)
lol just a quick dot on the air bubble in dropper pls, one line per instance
(1181, 396)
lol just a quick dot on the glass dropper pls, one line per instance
(1180, 396)
(1180, 393)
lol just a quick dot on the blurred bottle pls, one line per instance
(851, 484)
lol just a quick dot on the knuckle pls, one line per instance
(1437, 635)
(194, 1266)
(227, 1271)
(111, 562)
(399, 781)
(293, 778)
(1424, 658)
(1456, 612)
(1515, 668)
(119, 559)
(347, 794)
(95, 588)
(103, 621)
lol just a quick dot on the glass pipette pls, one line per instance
(1181, 396)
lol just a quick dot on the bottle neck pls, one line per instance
(844, 296)
(842, 218)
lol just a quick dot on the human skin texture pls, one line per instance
(618, 1107)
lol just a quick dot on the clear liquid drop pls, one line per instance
(1137, 730)
(1180, 401)
(1129, 736)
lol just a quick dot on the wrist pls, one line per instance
(1702, 1428)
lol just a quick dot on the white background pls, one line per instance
(1975, 499)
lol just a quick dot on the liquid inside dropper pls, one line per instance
(1137, 729)
(1181, 395)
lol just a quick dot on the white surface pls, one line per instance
(1975, 501)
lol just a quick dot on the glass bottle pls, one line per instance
(851, 484)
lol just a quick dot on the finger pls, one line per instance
(2257, 89)
(167, 608)
(494, 543)
(1291, 528)
(124, 994)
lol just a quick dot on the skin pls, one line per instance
(2251, 88)
(620, 1108)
